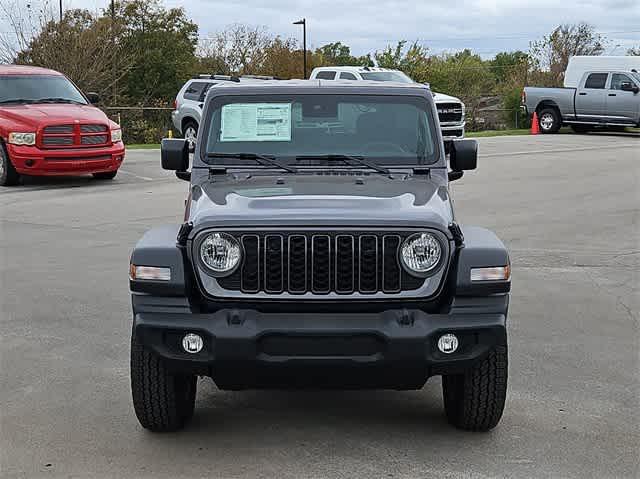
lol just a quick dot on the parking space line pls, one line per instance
(559, 150)
(145, 178)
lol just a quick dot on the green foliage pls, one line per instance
(338, 54)
(163, 43)
(504, 64)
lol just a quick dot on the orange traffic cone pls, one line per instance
(535, 124)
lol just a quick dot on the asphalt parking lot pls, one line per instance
(568, 208)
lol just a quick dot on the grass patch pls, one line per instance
(149, 146)
(487, 133)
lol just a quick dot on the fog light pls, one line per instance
(448, 343)
(192, 343)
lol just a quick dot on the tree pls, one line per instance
(163, 43)
(81, 47)
(553, 52)
(505, 63)
(414, 61)
(338, 54)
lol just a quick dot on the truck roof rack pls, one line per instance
(206, 76)
(261, 77)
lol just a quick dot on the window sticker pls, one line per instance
(256, 122)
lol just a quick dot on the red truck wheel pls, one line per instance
(8, 174)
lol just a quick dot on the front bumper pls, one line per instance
(394, 349)
(31, 160)
(452, 132)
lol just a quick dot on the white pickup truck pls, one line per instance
(450, 109)
(609, 99)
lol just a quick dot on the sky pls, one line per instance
(485, 26)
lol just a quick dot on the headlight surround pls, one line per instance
(26, 138)
(421, 254)
(116, 135)
(220, 253)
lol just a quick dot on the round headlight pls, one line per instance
(421, 253)
(220, 252)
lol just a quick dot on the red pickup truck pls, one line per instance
(48, 127)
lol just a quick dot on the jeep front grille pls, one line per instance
(320, 263)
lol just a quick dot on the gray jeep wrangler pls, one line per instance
(319, 249)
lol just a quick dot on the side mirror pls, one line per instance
(93, 98)
(628, 86)
(464, 155)
(174, 155)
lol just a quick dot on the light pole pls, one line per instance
(60, 11)
(303, 22)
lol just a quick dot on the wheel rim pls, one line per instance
(547, 121)
(191, 136)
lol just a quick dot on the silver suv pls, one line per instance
(187, 107)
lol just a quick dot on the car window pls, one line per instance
(205, 89)
(390, 130)
(596, 80)
(386, 76)
(194, 90)
(617, 79)
(347, 76)
(31, 88)
(326, 75)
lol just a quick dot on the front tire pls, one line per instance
(8, 174)
(105, 176)
(190, 130)
(474, 401)
(163, 401)
(549, 120)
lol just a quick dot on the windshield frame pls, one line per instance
(219, 99)
(82, 99)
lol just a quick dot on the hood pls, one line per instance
(441, 98)
(37, 115)
(322, 199)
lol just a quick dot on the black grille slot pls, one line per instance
(93, 128)
(58, 129)
(390, 266)
(94, 140)
(321, 264)
(368, 267)
(57, 140)
(297, 264)
(449, 112)
(250, 282)
(345, 269)
(273, 264)
(300, 262)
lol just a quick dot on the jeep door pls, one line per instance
(590, 100)
(622, 106)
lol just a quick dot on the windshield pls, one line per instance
(34, 88)
(386, 76)
(388, 130)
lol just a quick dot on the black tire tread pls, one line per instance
(474, 401)
(11, 176)
(163, 401)
(556, 115)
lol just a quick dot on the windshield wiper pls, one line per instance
(262, 159)
(346, 159)
(17, 100)
(58, 100)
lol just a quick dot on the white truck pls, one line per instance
(450, 109)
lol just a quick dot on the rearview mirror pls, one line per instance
(464, 155)
(628, 86)
(174, 154)
(93, 98)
